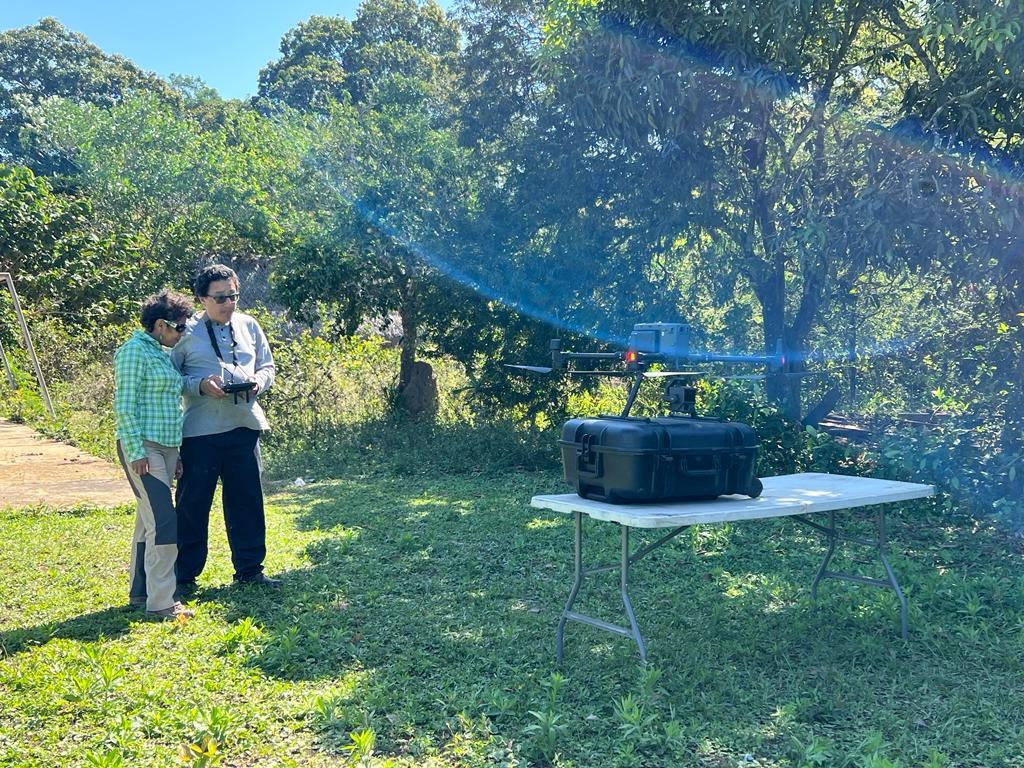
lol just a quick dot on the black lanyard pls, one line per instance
(216, 347)
(234, 355)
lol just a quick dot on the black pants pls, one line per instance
(231, 458)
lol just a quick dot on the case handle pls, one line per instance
(583, 471)
(709, 472)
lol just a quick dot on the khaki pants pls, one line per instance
(155, 541)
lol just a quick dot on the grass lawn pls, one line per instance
(416, 626)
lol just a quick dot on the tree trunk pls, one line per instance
(410, 331)
(785, 387)
(769, 284)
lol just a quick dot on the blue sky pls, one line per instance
(224, 42)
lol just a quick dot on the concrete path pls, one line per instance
(35, 470)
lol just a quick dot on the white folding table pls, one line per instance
(783, 496)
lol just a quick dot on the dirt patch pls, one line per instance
(34, 470)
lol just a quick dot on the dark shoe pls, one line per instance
(260, 580)
(137, 602)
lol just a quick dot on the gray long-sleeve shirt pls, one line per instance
(248, 360)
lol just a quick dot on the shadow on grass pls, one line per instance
(89, 627)
(419, 576)
(400, 573)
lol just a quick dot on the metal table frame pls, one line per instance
(774, 503)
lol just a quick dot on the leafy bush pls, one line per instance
(962, 458)
(321, 387)
(73, 349)
(408, 446)
(331, 399)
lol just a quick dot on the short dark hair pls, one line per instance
(211, 274)
(166, 305)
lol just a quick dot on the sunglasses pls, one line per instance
(226, 297)
(179, 327)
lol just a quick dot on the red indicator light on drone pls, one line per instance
(630, 356)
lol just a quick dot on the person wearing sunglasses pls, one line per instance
(148, 419)
(226, 364)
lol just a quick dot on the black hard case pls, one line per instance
(628, 459)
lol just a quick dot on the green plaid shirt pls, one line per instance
(147, 396)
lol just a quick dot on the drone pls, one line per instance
(665, 344)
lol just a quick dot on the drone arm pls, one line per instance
(774, 361)
(592, 355)
(633, 393)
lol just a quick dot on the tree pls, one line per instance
(773, 104)
(969, 103)
(566, 238)
(327, 60)
(497, 82)
(383, 213)
(402, 41)
(62, 265)
(186, 192)
(48, 60)
(391, 176)
(311, 73)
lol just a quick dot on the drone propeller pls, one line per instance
(530, 368)
(671, 374)
(568, 371)
(704, 375)
(540, 369)
(744, 377)
(764, 376)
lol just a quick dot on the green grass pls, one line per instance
(416, 627)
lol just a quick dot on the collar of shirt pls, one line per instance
(147, 339)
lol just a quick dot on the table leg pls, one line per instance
(625, 561)
(830, 533)
(624, 584)
(578, 540)
(893, 584)
(879, 544)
